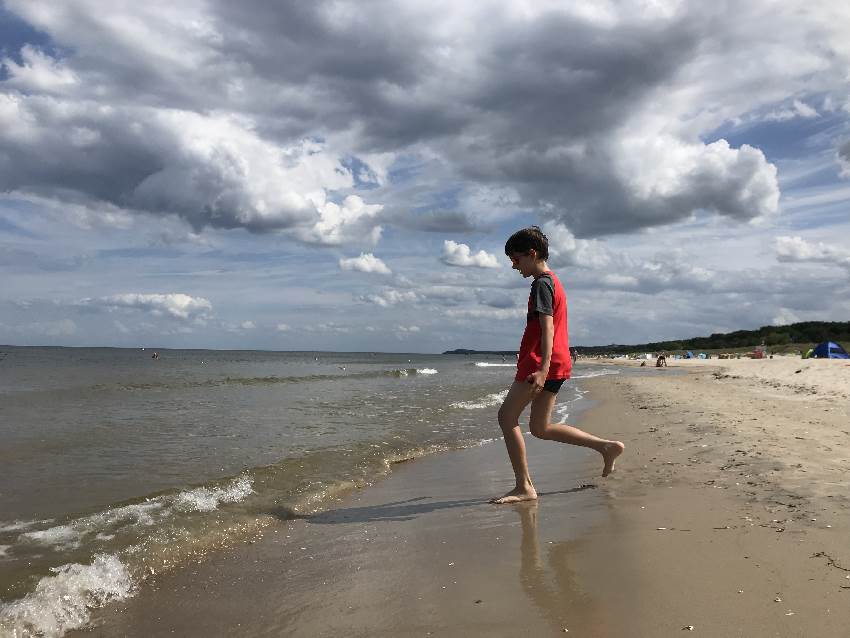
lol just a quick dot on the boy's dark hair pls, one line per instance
(524, 240)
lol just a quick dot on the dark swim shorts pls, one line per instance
(553, 385)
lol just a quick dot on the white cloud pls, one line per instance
(486, 313)
(366, 262)
(38, 72)
(668, 179)
(212, 170)
(176, 305)
(283, 327)
(797, 249)
(389, 298)
(797, 109)
(408, 328)
(247, 325)
(455, 254)
(330, 327)
(623, 282)
(566, 250)
(353, 222)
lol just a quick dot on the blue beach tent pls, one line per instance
(829, 350)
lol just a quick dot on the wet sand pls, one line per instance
(728, 513)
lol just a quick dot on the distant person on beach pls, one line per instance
(662, 361)
(543, 364)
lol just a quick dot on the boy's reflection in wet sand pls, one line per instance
(562, 602)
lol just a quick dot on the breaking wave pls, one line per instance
(64, 601)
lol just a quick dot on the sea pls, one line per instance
(119, 464)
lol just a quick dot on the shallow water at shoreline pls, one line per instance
(118, 465)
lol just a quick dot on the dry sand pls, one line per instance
(729, 513)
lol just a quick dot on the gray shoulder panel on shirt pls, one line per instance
(543, 295)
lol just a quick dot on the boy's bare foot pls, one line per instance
(610, 452)
(516, 495)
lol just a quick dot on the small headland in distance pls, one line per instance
(496, 352)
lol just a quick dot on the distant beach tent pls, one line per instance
(689, 355)
(829, 350)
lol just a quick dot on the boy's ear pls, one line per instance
(532, 252)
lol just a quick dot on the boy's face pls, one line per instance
(524, 262)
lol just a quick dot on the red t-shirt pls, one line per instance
(547, 297)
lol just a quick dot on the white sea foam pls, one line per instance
(594, 373)
(487, 364)
(70, 535)
(19, 525)
(60, 537)
(204, 499)
(63, 602)
(136, 514)
(426, 371)
(4, 549)
(562, 413)
(105, 525)
(485, 402)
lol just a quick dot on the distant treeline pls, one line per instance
(805, 332)
(504, 353)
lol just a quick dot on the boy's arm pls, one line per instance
(547, 335)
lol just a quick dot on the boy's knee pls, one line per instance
(539, 431)
(507, 419)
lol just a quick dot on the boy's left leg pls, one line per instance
(519, 396)
(542, 428)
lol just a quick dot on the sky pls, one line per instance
(343, 175)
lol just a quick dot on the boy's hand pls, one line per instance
(537, 379)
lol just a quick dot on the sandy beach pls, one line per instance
(727, 516)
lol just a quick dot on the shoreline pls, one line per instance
(729, 497)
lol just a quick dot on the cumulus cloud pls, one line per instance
(210, 170)
(175, 305)
(247, 325)
(797, 249)
(283, 327)
(598, 119)
(566, 250)
(455, 254)
(366, 262)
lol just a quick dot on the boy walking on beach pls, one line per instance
(543, 364)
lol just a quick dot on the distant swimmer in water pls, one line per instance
(155, 355)
(543, 365)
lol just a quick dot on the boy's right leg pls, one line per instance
(542, 428)
(519, 396)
